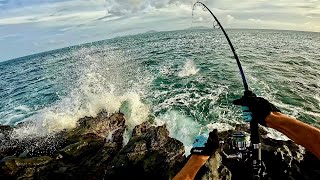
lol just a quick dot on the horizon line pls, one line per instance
(147, 32)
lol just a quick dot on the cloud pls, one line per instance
(56, 42)
(72, 18)
(313, 15)
(255, 20)
(9, 36)
(124, 7)
(229, 18)
(78, 21)
(53, 24)
(12, 4)
(73, 12)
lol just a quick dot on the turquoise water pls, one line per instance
(186, 79)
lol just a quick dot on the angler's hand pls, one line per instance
(255, 108)
(204, 145)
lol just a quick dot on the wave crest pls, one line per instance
(188, 69)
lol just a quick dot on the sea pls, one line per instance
(184, 79)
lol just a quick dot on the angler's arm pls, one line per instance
(189, 171)
(301, 133)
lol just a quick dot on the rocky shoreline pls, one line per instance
(95, 149)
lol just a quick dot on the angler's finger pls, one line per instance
(245, 109)
(247, 113)
(238, 102)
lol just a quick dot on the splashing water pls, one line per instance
(96, 87)
(148, 74)
(189, 69)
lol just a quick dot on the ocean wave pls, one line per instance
(97, 87)
(125, 74)
(188, 69)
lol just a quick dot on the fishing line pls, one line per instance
(218, 24)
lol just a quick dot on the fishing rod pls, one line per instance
(229, 41)
(239, 142)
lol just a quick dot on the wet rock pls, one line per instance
(103, 126)
(95, 149)
(150, 154)
(22, 167)
(282, 159)
(5, 132)
(141, 129)
(214, 169)
(5, 129)
(310, 166)
(87, 148)
(96, 143)
(82, 149)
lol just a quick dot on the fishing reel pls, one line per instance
(237, 146)
(240, 148)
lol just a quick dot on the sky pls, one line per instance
(32, 26)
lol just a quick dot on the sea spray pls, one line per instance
(94, 85)
(55, 88)
(55, 119)
(188, 69)
(180, 127)
(219, 126)
(185, 129)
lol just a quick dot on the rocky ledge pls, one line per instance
(96, 150)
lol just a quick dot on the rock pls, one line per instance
(310, 166)
(29, 146)
(141, 129)
(102, 126)
(82, 149)
(5, 132)
(95, 150)
(282, 159)
(96, 143)
(5, 129)
(87, 148)
(22, 167)
(214, 169)
(150, 154)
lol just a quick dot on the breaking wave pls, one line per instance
(188, 69)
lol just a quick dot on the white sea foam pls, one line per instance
(165, 70)
(185, 129)
(22, 108)
(109, 81)
(16, 115)
(188, 69)
(65, 114)
(100, 86)
(220, 127)
(181, 127)
(190, 97)
(274, 134)
(317, 97)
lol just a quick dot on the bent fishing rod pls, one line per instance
(254, 128)
(229, 41)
